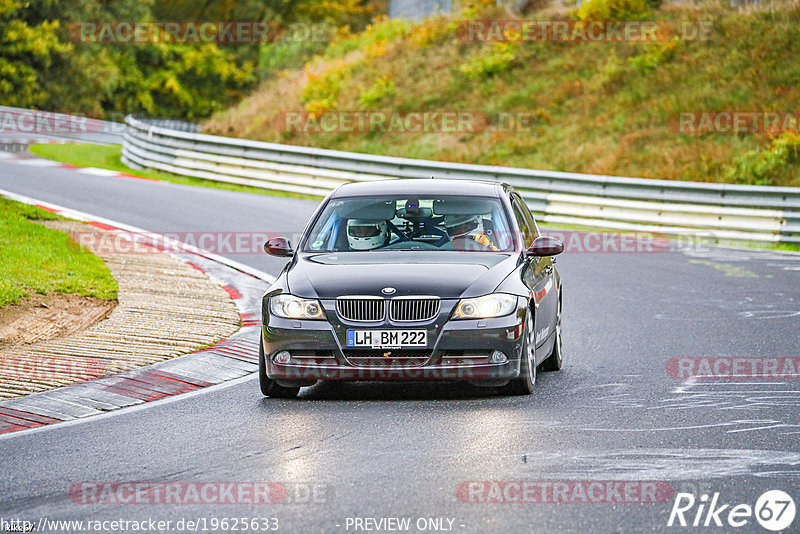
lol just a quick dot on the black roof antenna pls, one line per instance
(432, 177)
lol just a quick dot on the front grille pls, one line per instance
(387, 358)
(363, 309)
(413, 309)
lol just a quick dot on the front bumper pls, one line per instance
(457, 350)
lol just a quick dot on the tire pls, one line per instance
(523, 385)
(268, 386)
(555, 360)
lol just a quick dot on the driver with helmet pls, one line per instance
(467, 228)
(365, 234)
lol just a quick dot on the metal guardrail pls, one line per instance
(418, 9)
(720, 211)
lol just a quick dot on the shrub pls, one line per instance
(287, 55)
(27, 53)
(383, 30)
(433, 30)
(382, 88)
(178, 80)
(655, 55)
(613, 10)
(766, 166)
(322, 91)
(497, 58)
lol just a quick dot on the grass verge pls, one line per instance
(109, 157)
(38, 259)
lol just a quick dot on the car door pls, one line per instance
(538, 275)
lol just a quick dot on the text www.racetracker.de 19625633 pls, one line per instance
(195, 524)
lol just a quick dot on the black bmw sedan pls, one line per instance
(414, 280)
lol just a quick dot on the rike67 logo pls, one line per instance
(774, 510)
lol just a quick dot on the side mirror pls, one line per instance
(545, 246)
(278, 246)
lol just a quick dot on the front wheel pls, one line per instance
(269, 387)
(523, 385)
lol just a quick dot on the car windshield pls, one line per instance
(464, 223)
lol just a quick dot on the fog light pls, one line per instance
(282, 357)
(498, 357)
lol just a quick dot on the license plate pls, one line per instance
(387, 338)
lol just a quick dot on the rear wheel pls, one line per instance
(523, 385)
(269, 387)
(553, 362)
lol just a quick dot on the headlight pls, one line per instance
(292, 307)
(494, 305)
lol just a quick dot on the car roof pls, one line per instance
(420, 186)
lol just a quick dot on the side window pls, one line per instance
(528, 216)
(522, 222)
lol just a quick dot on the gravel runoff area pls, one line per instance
(166, 309)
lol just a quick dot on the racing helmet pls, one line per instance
(365, 234)
(457, 225)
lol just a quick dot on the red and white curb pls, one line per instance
(228, 359)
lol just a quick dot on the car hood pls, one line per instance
(444, 274)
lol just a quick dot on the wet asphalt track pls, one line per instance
(401, 450)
